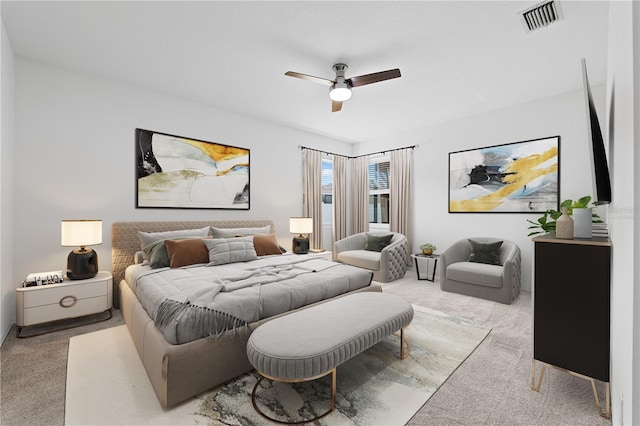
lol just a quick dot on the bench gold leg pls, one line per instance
(283, 422)
(404, 342)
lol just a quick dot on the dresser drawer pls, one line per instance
(54, 295)
(67, 308)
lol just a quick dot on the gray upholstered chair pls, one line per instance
(386, 265)
(500, 283)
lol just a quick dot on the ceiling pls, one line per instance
(456, 58)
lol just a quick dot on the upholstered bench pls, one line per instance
(311, 343)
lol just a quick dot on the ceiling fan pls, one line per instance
(341, 87)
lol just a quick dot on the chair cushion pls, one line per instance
(475, 273)
(376, 242)
(485, 252)
(360, 258)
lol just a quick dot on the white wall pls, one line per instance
(75, 158)
(622, 116)
(7, 296)
(563, 115)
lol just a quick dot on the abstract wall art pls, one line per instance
(185, 173)
(519, 177)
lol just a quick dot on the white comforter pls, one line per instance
(196, 301)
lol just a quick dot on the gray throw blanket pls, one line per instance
(203, 320)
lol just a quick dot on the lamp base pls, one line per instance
(82, 263)
(300, 244)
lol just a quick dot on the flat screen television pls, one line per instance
(601, 179)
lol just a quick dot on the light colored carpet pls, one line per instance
(493, 386)
(107, 384)
(490, 388)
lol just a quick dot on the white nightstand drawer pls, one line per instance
(74, 308)
(53, 294)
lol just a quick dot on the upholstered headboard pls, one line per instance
(125, 241)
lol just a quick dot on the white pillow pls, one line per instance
(238, 232)
(230, 250)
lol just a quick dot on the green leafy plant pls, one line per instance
(427, 247)
(547, 222)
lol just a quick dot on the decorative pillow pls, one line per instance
(186, 252)
(147, 238)
(238, 232)
(266, 244)
(485, 252)
(156, 252)
(376, 242)
(230, 250)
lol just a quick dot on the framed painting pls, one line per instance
(519, 177)
(185, 173)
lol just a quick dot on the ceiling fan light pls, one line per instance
(340, 94)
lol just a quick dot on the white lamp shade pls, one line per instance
(301, 225)
(81, 233)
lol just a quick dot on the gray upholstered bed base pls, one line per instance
(178, 372)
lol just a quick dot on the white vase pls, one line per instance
(564, 226)
(582, 220)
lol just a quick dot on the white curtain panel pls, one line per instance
(400, 197)
(339, 197)
(312, 196)
(360, 192)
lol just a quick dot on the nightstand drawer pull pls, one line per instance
(68, 301)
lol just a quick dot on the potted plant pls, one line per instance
(547, 222)
(427, 249)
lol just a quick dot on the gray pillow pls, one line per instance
(485, 252)
(156, 252)
(239, 232)
(230, 250)
(147, 238)
(376, 242)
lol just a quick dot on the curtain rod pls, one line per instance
(363, 155)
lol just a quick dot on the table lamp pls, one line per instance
(300, 226)
(82, 262)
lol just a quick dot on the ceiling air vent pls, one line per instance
(541, 15)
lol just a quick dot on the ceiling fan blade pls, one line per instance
(362, 80)
(336, 106)
(309, 78)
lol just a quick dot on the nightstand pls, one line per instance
(69, 299)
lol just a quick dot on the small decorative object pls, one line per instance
(582, 223)
(564, 225)
(428, 249)
(547, 222)
(82, 262)
(300, 226)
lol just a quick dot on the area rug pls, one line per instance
(107, 384)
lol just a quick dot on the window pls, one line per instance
(327, 191)
(379, 190)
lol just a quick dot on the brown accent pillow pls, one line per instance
(186, 252)
(265, 244)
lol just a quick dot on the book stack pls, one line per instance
(600, 230)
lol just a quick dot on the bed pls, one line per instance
(177, 370)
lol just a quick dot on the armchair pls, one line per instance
(386, 265)
(500, 283)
